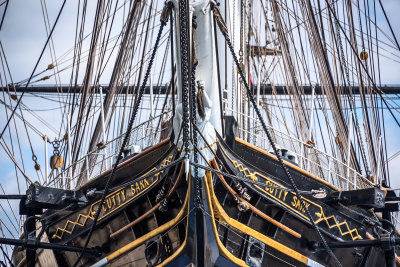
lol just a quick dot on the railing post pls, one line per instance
(87, 167)
(310, 129)
(46, 160)
(355, 179)
(349, 145)
(302, 156)
(111, 153)
(257, 103)
(329, 170)
(258, 86)
(152, 112)
(103, 126)
(63, 181)
(311, 113)
(152, 133)
(264, 141)
(143, 133)
(69, 149)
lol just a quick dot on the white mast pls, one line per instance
(206, 54)
(207, 57)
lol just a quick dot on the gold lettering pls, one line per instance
(307, 205)
(104, 208)
(109, 203)
(133, 189)
(285, 194)
(141, 185)
(146, 182)
(113, 198)
(294, 201)
(123, 194)
(119, 198)
(268, 188)
(278, 191)
(137, 187)
(298, 205)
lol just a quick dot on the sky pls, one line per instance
(23, 36)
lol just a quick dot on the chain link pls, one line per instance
(197, 200)
(284, 167)
(194, 134)
(126, 137)
(241, 32)
(195, 141)
(233, 67)
(56, 146)
(184, 71)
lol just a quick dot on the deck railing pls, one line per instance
(103, 158)
(309, 158)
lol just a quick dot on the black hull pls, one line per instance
(266, 227)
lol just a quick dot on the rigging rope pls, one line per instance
(390, 26)
(4, 14)
(376, 89)
(224, 32)
(34, 69)
(164, 20)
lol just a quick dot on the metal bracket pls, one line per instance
(53, 198)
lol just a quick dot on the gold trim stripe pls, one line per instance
(321, 215)
(223, 250)
(245, 229)
(90, 215)
(204, 147)
(288, 164)
(184, 211)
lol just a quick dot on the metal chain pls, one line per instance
(126, 137)
(197, 197)
(233, 67)
(56, 146)
(195, 143)
(184, 72)
(241, 32)
(284, 167)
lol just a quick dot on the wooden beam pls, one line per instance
(265, 89)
